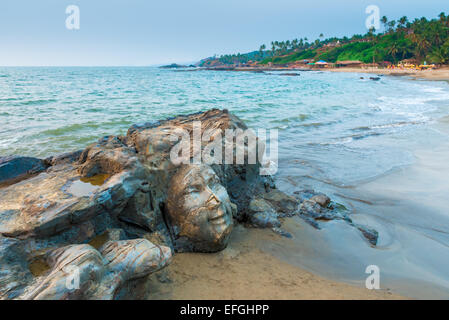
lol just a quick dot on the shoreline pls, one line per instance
(256, 265)
(245, 271)
(436, 75)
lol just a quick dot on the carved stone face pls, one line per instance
(199, 209)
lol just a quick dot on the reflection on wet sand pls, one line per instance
(408, 207)
(247, 270)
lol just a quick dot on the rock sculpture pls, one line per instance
(108, 216)
(94, 223)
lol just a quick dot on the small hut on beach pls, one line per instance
(349, 64)
(321, 64)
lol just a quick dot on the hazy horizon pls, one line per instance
(138, 33)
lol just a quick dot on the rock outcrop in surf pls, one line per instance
(95, 223)
(118, 210)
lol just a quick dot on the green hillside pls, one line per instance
(422, 39)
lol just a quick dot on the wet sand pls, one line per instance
(437, 74)
(407, 206)
(441, 74)
(245, 271)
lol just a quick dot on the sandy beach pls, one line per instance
(387, 121)
(441, 74)
(437, 74)
(244, 271)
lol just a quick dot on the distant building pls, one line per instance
(321, 64)
(349, 63)
(371, 65)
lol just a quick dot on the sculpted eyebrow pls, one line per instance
(196, 182)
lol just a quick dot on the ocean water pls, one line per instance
(378, 147)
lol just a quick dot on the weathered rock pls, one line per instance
(74, 272)
(54, 201)
(15, 168)
(82, 272)
(370, 234)
(97, 209)
(322, 200)
(306, 194)
(139, 210)
(133, 259)
(317, 207)
(153, 142)
(284, 204)
(314, 210)
(262, 214)
(14, 272)
(260, 205)
(175, 66)
(68, 157)
(265, 220)
(294, 74)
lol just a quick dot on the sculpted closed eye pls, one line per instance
(194, 188)
(213, 181)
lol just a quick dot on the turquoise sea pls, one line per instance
(380, 148)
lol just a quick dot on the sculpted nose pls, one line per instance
(213, 199)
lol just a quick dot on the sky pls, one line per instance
(150, 32)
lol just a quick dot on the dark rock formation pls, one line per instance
(15, 168)
(262, 214)
(290, 74)
(175, 66)
(317, 207)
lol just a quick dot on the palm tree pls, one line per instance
(405, 50)
(391, 26)
(370, 34)
(393, 51)
(295, 43)
(422, 45)
(444, 19)
(440, 55)
(403, 21)
(384, 21)
(436, 35)
(375, 54)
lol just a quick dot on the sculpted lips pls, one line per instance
(218, 217)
